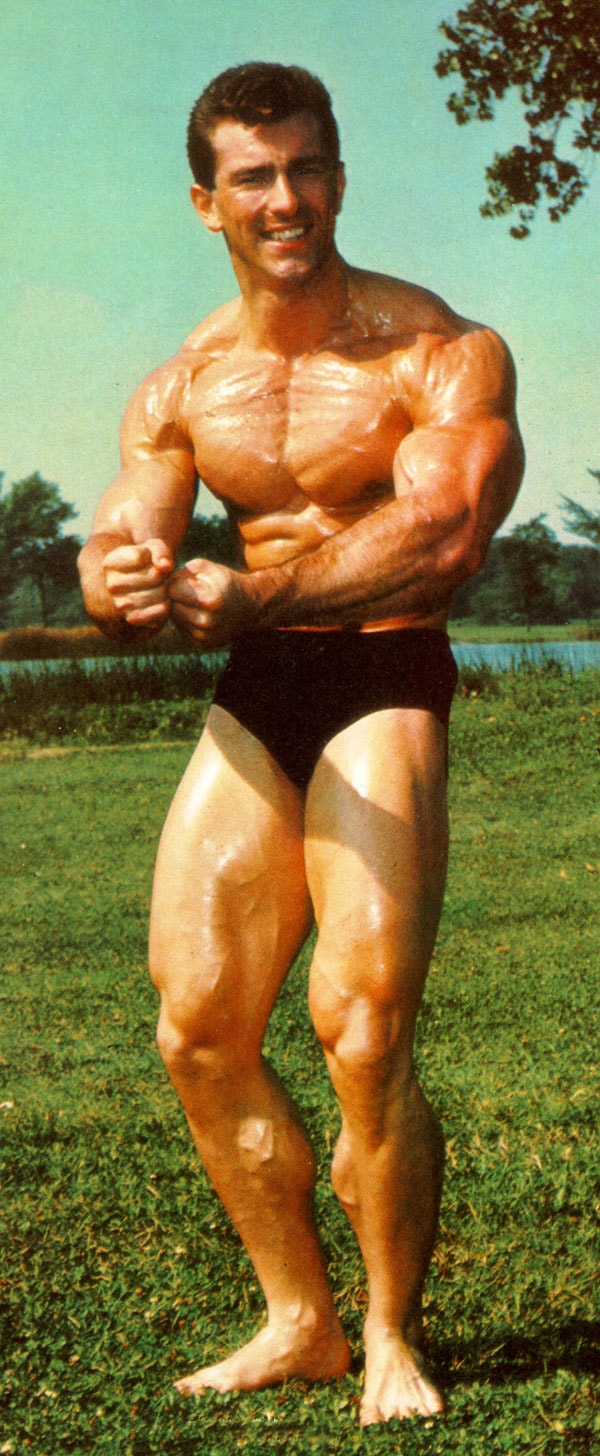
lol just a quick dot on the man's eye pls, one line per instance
(310, 169)
(253, 179)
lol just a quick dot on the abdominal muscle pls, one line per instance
(302, 527)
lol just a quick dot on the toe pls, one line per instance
(189, 1386)
(369, 1415)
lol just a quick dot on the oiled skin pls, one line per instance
(363, 439)
(404, 406)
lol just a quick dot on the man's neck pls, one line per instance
(294, 319)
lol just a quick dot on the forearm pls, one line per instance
(453, 489)
(397, 561)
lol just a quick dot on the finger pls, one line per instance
(196, 590)
(152, 553)
(151, 615)
(134, 581)
(179, 578)
(128, 558)
(197, 635)
(186, 589)
(139, 600)
(161, 554)
(192, 615)
(211, 578)
(198, 563)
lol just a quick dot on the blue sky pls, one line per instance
(106, 268)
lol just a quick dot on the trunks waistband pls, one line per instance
(387, 624)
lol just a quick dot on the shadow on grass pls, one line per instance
(574, 1347)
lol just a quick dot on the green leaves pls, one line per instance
(32, 546)
(548, 51)
(579, 520)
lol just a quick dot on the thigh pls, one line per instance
(376, 856)
(230, 902)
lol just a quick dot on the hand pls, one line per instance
(210, 603)
(136, 579)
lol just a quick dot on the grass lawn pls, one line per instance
(466, 630)
(120, 1271)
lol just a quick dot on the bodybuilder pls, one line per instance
(363, 441)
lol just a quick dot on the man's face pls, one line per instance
(275, 199)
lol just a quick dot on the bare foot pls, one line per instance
(277, 1353)
(396, 1382)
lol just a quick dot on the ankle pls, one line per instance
(306, 1317)
(406, 1328)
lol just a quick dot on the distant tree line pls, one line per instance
(529, 576)
(39, 581)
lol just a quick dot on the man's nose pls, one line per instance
(283, 194)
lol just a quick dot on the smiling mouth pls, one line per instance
(286, 235)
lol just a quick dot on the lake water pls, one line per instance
(214, 661)
(499, 656)
(502, 656)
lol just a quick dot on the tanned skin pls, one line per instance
(363, 440)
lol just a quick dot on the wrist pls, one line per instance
(267, 593)
(90, 564)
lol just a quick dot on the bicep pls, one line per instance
(154, 493)
(464, 458)
(464, 478)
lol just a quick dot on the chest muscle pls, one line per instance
(263, 432)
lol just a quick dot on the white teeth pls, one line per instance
(286, 235)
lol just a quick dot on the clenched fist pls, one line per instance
(136, 578)
(210, 603)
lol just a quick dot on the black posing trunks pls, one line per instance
(294, 690)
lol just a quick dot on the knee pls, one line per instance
(179, 1041)
(364, 1032)
(362, 1037)
(174, 1042)
(199, 1055)
(195, 1032)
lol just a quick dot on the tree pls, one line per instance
(6, 575)
(549, 50)
(532, 551)
(528, 578)
(33, 548)
(576, 584)
(581, 521)
(210, 536)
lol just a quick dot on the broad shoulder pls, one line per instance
(441, 360)
(403, 309)
(161, 398)
(214, 336)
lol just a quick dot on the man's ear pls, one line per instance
(204, 204)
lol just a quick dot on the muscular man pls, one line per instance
(362, 438)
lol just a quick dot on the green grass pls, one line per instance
(467, 630)
(119, 1268)
(122, 701)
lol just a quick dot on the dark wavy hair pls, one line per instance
(255, 93)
